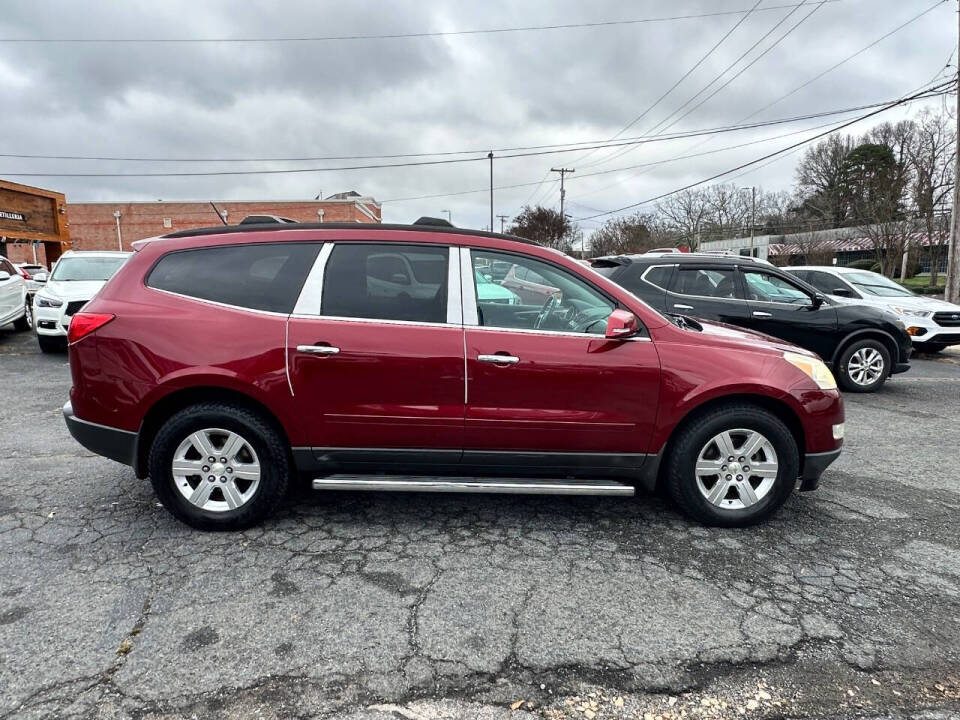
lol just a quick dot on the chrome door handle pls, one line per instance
(318, 349)
(499, 359)
(684, 307)
(758, 313)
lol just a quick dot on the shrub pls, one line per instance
(864, 264)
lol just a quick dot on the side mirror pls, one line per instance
(622, 324)
(40, 277)
(842, 292)
(4, 275)
(818, 300)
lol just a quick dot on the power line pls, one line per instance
(655, 163)
(757, 160)
(662, 128)
(683, 77)
(391, 36)
(500, 154)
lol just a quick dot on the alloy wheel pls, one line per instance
(736, 469)
(865, 366)
(216, 470)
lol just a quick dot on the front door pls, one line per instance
(11, 294)
(545, 387)
(375, 354)
(783, 309)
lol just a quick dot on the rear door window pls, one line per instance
(265, 276)
(386, 282)
(706, 282)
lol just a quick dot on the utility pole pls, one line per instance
(563, 193)
(753, 215)
(491, 189)
(953, 250)
(503, 219)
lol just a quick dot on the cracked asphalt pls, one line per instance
(421, 606)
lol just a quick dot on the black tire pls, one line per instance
(694, 435)
(929, 348)
(843, 367)
(264, 438)
(51, 344)
(24, 323)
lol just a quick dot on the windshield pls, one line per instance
(87, 268)
(874, 284)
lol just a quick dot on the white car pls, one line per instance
(75, 279)
(13, 296)
(933, 324)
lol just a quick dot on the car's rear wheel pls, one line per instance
(733, 466)
(864, 366)
(51, 344)
(218, 466)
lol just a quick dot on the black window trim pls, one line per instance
(643, 275)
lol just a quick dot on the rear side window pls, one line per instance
(705, 282)
(658, 276)
(260, 277)
(386, 282)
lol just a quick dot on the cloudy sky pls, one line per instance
(439, 94)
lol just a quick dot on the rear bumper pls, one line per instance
(813, 466)
(112, 443)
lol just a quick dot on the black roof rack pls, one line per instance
(369, 227)
(260, 219)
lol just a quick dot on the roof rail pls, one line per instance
(261, 219)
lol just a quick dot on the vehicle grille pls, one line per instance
(947, 319)
(74, 307)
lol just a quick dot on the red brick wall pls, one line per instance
(93, 226)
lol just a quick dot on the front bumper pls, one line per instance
(112, 443)
(928, 330)
(50, 321)
(813, 466)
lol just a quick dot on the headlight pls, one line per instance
(48, 301)
(814, 368)
(911, 313)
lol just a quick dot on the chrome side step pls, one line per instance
(516, 486)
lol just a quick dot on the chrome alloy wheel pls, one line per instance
(865, 366)
(216, 470)
(736, 469)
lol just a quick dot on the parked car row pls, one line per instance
(224, 363)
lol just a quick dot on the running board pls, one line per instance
(516, 486)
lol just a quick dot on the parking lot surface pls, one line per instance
(418, 606)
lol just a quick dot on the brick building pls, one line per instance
(112, 225)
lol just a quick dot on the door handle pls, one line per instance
(684, 307)
(759, 313)
(318, 349)
(499, 359)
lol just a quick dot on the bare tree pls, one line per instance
(814, 249)
(687, 213)
(931, 155)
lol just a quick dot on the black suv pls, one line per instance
(863, 345)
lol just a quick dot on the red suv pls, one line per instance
(223, 363)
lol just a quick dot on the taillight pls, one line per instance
(83, 324)
(24, 274)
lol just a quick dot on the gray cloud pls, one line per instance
(428, 94)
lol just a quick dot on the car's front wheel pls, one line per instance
(218, 466)
(733, 466)
(864, 366)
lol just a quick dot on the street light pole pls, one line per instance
(116, 215)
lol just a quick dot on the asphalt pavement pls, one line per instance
(426, 606)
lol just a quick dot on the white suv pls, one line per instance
(933, 324)
(13, 296)
(75, 279)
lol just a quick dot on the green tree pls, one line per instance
(545, 226)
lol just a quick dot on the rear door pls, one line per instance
(375, 353)
(708, 291)
(786, 310)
